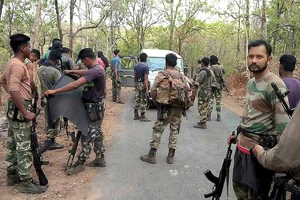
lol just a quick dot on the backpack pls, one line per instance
(172, 91)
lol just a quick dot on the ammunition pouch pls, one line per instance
(163, 112)
(95, 111)
(13, 113)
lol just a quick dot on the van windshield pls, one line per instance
(158, 64)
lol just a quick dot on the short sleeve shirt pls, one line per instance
(116, 60)
(140, 70)
(94, 89)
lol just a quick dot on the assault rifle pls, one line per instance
(224, 174)
(37, 161)
(281, 99)
(74, 148)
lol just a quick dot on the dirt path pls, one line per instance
(61, 186)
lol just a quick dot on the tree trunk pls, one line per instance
(247, 27)
(1, 7)
(238, 47)
(172, 24)
(71, 35)
(37, 25)
(58, 20)
(263, 31)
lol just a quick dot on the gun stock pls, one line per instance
(281, 99)
(37, 162)
(220, 180)
(73, 150)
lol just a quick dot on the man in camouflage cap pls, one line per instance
(263, 122)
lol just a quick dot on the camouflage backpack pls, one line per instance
(172, 91)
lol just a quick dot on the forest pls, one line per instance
(192, 28)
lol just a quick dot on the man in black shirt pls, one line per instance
(141, 71)
(93, 81)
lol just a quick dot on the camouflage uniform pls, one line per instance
(19, 155)
(140, 100)
(263, 118)
(204, 78)
(216, 93)
(95, 136)
(165, 115)
(48, 75)
(116, 81)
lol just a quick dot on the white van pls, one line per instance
(156, 62)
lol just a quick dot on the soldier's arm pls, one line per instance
(30, 69)
(80, 72)
(71, 86)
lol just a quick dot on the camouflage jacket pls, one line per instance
(48, 75)
(218, 72)
(263, 112)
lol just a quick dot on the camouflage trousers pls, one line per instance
(52, 129)
(215, 94)
(116, 88)
(203, 106)
(140, 100)
(18, 145)
(94, 138)
(243, 192)
(173, 116)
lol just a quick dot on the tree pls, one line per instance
(36, 38)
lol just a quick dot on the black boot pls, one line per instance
(55, 145)
(136, 114)
(150, 157)
(170, 158)
(201, 125)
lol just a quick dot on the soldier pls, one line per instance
(286, 68)
(48, 74)
(141, 71)
(263, 122)
(115, 77)
(16, 82)
(93, 80)
(284, 157)
(216, 92)
(204, 78)
(166, 114)
(31, 63)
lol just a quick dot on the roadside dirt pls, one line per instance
(61, 186)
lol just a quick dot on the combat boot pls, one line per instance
(144, 118)
(201, 125)
(170, 157)
(77, 167)
(12, 178)
(218, 117)
(98, 162)
(28, 186)
(120, 102)
(149, 158)
(136, 114)
(54, 145)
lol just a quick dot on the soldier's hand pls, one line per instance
(257, 148)
(49, 93)
(29, 115)
(67, 71)
(231, 139)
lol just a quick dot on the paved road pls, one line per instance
(128, 178)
